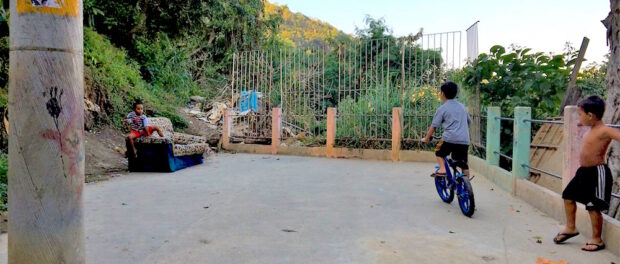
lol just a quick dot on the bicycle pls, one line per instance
(455, 180)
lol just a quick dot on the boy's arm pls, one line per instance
(437, 120)
(126, 122)
(129, 118)
(429, 134)
(613, 133)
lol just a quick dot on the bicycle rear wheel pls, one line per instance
(465, 195)
(446, 193)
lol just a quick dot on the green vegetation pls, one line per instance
(519, 77)
(592, 80)
(298, 30)
(4, 167)
(115, 81)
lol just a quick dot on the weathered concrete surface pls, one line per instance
(342, 211)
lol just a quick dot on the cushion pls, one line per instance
(163, 123)
(155, 139)
(181, 138)
(189, 149)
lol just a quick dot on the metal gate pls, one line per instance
(363, 78)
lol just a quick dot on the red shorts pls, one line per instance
(147, 131)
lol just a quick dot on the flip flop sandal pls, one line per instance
(439, 175)
(564, 237)
(597, 248)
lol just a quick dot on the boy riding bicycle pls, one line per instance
(454, 119)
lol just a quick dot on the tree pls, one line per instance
(612, 114)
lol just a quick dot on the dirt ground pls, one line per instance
(105, 154)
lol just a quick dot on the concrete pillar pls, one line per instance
(227, 128)
(276, 129)
(572, 142)
(521, 143)
(331, 131)
(397, 131)
(46, 143)
(494, 130)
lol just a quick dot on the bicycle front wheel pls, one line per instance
(446, 193)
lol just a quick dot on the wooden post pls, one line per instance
(46, 143)
(276, 129)
(227, 128)
(573, 138)
(476, 122)
(331, 131)
(521, 143)
(397, 130)
(573, 92)
(494, 128)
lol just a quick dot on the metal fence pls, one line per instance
(364, 78)
(252, 96)
(377, 75)
(304, 94)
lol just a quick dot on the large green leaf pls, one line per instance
(498, 50)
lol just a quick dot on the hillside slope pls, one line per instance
(299, 30)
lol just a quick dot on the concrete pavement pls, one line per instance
(265, 209)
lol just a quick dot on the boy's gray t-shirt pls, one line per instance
(454, 119)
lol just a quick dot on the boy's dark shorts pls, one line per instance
(591, 186)
(456, 151)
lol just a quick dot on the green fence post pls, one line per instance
(494, 128)
(521, 143)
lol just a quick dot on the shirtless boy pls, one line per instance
(592, 183)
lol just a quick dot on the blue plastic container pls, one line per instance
(248, 101)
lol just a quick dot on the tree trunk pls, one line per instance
(612, 113)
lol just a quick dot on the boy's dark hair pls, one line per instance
(593, 104)
(449, 89)
(136, 103)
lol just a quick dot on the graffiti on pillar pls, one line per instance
(68, 140)
(52, 7)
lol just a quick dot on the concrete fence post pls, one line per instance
(397, 131)
(573, 137)
(46, 141)
(276, 129)
(331, 131)
(494, 130)
(227, 128)
(521, 143)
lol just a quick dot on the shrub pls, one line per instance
(118, 78)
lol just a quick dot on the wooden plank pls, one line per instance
(573, 93)
(545, 146)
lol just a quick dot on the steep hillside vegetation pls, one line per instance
(298, 30)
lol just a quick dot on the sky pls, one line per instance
(543, 25)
